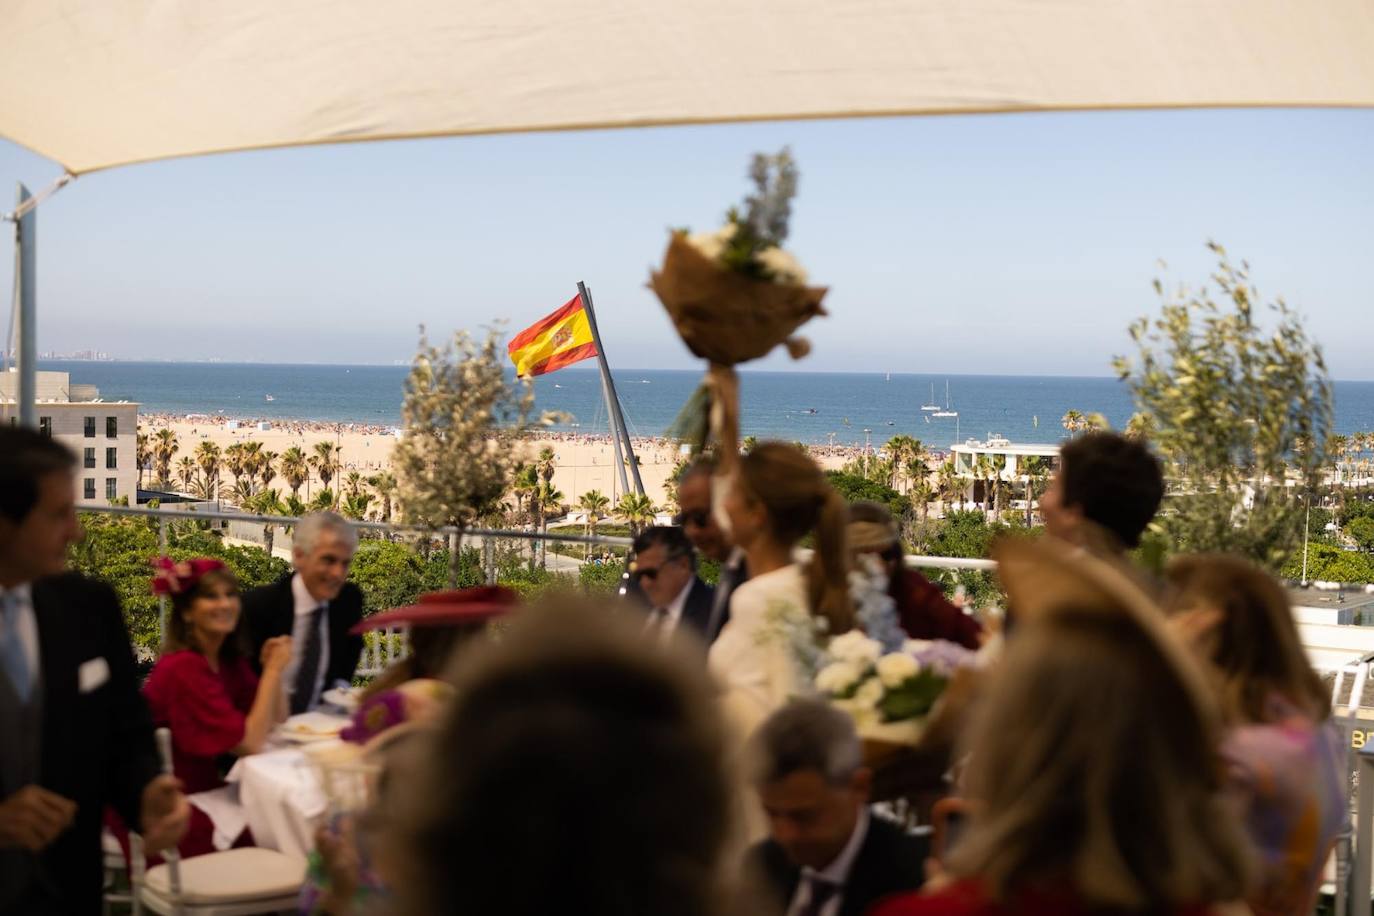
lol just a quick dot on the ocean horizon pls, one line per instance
(815, 407)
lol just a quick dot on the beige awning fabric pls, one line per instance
(98, 83)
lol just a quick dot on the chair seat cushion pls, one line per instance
(233, 875)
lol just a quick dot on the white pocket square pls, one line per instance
(92, 674)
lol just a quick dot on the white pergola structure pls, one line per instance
(93, 84)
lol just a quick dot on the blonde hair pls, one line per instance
(1257, 652)
(1094, 759)
(799, 501)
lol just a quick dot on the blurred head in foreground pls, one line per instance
(579, 769)
(1093, 760)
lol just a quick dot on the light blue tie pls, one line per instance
(12, 648)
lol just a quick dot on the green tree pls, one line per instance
(143, 454)
(1362, 530)
(208, 460)
(854, 488)
(165, 447)
(186, 472)
(355, 505)
(463, 421)
(323, 501)
(267, 468)
(295, 467)
(267, 502)
(324, 460)
(636, 510)
(1236, 405)
(596, 506)
(383, 485)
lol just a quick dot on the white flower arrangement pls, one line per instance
(887, 693)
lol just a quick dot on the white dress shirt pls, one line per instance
(305, 606)
(26, 624)
(836, 873)
(666, 620)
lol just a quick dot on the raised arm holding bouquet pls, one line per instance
(734, 295)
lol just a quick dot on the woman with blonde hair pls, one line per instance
(778, 496)
(1093, 767)
(1284, 753)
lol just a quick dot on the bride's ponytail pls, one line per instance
(828, 575)
(800, 501)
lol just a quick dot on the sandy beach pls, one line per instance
(582, 463)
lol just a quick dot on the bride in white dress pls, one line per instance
(776, 497)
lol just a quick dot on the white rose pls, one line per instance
(781, 264)
(896, 668)
(855, 647)
(869, 694)
(838, 677)
(708, 243)
(916, 646)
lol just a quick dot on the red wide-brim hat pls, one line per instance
(444, 609)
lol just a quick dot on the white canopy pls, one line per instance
(99, 83)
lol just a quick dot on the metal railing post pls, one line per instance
(1364, 825)
(162, 604)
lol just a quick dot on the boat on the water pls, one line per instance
(947, 412)
(931, 405)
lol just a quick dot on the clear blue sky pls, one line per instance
(989, 244)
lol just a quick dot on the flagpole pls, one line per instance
(608, 389)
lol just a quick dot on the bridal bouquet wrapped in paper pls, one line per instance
(735, 294)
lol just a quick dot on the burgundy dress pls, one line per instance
(925, 614)
(965, 898)
(205, 710)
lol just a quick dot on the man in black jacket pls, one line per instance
(77, 735)
(827, 856)
(316, 606)
(664, 570)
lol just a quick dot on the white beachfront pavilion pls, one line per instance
(1012, 470)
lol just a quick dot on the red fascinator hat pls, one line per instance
(446, 609)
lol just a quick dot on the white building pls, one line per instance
(1013, 463)
(103, 434)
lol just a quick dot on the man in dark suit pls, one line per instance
(77, 735)
(664, 570)
(698, 522)
(826, 856)
(316, 606)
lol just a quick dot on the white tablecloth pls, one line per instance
(282, 797)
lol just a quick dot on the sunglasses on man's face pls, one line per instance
(650, 573)
(698, 518)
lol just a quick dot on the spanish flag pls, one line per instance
(554, 341)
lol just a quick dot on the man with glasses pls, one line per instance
(665, 571)
(699, 524)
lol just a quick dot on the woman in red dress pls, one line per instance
(1093, 763)
(203, 688)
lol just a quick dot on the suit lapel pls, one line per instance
(696, 612)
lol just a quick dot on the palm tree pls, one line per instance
(1073, 421)
(352, 484)
(323, 501)
(983, 470)
(208, 459)
(164, 449)
(267, 467)
(902, 450)
(947, 484)
(236, 460)
(594, 503)
(921, 493)
(294, 506)
(384, 486)
(186, 472)
(325, 461)
(546, 497)
(1035, 469)
(999, 464)
(355, 505)
(268, 502)
(295, 467)
(143, 454)
(523, 483)
(637, 510)
(241, 494)
(748, 444)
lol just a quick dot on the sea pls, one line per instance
(842, 408)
